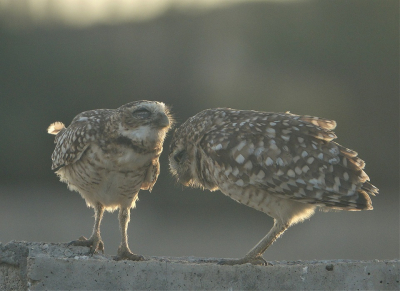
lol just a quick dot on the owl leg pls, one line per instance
(124, 253)
(254, 256)
(94, 242)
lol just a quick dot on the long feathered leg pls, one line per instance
(124, 253)
(94, 242)
(254, 256)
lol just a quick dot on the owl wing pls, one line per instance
(290, 156)
(71, 142)
(151, 175)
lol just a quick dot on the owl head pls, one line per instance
(144, 120)
(188, 163)
(179, 161)
(145, 113)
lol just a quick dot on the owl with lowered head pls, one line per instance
(108, 155)
(282, 164)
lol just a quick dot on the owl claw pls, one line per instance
(126, 254)
(259, 260)
(95, 244)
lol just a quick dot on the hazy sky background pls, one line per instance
(333, 59)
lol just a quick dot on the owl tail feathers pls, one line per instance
(55, 127)
(359, 201)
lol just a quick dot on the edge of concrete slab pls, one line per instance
(39, 265)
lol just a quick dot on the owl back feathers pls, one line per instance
(288, 155)
(72, 141)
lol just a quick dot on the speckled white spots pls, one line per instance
(269, 161)
(333, 161)
(258, 151)
(235, 171)
(297, 194)
(280, 162)
(248, 165)
(228, 171)
(296, 159)
(273, 147)
(272, 123)
(285, 137)
(234, 124)
(239, 159)
(218, 147)
(346, 176)
(240, 182)
(280, 172)
(334, 151)
(286, 131)
(291, 173)
(345, 162)
(305, 169)
(321, 156)
(335, 188)
(301, 181)
(304, 154)
(82, 119)
(242, 123)
(261, 174)
(241, 145)
(298, 170)
(310, 160)
(270, 132)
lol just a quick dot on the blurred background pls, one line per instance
(334, 59)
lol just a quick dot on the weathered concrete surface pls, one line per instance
(39, 266)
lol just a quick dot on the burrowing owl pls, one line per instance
(108, 155)
(282, 164)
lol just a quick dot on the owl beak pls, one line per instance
(162, 120)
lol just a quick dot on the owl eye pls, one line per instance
(180, 156)
(142, 113)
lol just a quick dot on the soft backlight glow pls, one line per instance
(90, 12)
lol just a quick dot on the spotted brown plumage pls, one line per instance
(108, 155)
(283, 164)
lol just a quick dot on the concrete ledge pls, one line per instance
(38, 266)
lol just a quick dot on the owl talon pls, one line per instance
(94, 243)
(125, 254)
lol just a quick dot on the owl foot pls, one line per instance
(95, 243)
(126, 254)
(259, 260)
